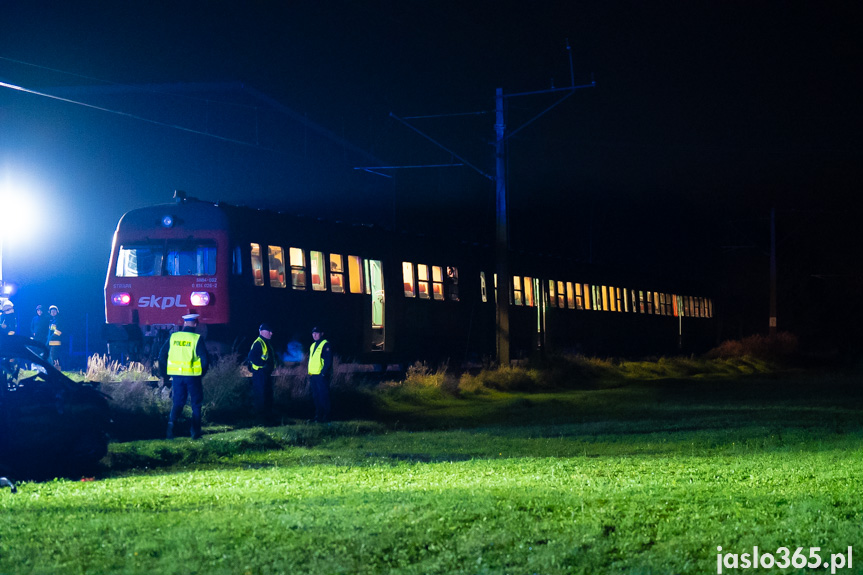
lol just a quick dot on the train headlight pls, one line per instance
(167, 221)
(200, 298)
(121, 299)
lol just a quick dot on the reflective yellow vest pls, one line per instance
(265, 354)
(182, 359)
(316, 362)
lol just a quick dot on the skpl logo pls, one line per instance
(161, 302)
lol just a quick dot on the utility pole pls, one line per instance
(501, 232)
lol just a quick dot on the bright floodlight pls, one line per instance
(18, 211)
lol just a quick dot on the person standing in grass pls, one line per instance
(320, 370)
(261, 358)
(184, 359)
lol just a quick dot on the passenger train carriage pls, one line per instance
(382, 297)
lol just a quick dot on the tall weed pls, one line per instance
(101, 369)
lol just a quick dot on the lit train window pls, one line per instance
(257, 265)
(656, 308)
(367, 276)
(482, 287)
(570, 296)
(579, 297)
(298, 268)
(140, 261)
(375, 285)
(277, 266)
(190, 259)
(452, 282)
(423, 281)
(318, 271)
(552, 299)
(529, 292)
(337, 273)
(355, 274)
(622, 302)
(561, 295)
(709, 308)
(612, 301)
(408, 273)
(597, 297)
(437, 283)
(587, 296)
(319, 278)
(495, 288)
(518, 296)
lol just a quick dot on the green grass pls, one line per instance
(644, 477)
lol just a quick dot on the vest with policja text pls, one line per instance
(316, 360)
(182, 357)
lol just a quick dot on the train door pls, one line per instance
(376, 283)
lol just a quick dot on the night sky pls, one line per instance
(704, 116)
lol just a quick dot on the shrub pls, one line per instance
(421, 383)
(502, 379)
(781, 345)
(290, 383)
(226, 388)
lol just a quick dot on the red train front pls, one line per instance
(166, 261)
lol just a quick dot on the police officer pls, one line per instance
(261, 359)
(320, 370)
(184, 359)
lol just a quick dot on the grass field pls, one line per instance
(642, 476)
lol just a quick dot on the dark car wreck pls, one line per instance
(50, 425)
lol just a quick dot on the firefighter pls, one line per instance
(9, 319)
(320, 370)
(261, 359)
(53, 342)
(184, 359)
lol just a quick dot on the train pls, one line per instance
(383, 297)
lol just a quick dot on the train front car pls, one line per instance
(166, 261)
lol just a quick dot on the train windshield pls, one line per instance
(171, 258)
